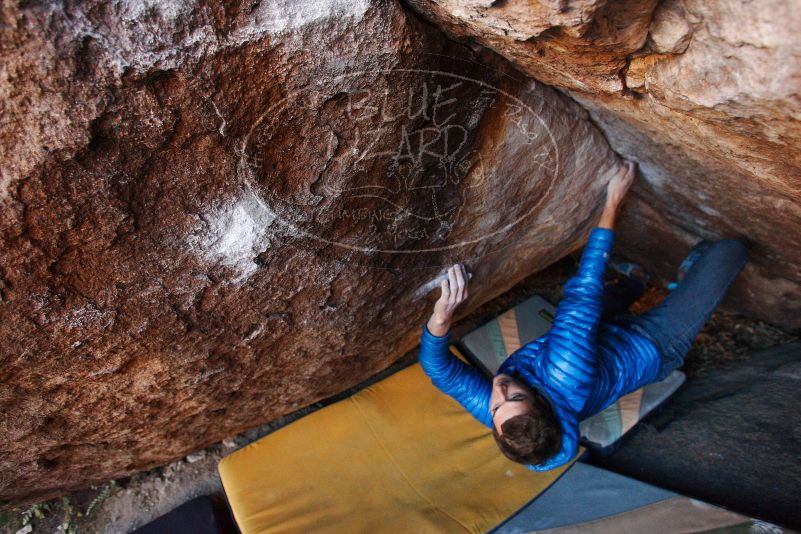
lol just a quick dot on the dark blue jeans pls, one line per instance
(673, 325)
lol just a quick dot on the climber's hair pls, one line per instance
(530, 438)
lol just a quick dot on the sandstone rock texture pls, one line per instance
(216, 213)
(704, 95)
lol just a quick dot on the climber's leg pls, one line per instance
(674, 324)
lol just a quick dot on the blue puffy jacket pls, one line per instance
(581, 366)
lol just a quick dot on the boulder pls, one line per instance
(213, 215)
(704, 95)
(577, 44)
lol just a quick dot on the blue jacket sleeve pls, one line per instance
(452, 376)
(571, 350)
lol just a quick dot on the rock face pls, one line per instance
(213, 214)
(703, 94)
(577, 44)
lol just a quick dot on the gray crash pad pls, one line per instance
(731, 438)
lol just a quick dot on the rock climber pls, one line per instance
(593, 354)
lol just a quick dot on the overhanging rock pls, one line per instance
(702, 94)
(214, 216)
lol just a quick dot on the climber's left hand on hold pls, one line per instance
(453, 292)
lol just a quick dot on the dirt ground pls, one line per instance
(123, 505)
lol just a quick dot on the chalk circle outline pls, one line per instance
(243, 167)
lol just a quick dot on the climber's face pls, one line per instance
(510, 398)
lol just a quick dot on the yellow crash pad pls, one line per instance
(397, 456)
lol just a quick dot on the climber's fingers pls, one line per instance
(619, 185)
(452, 282)
(458, 270)
(454, 286)
(466, 277)
(628, 178)
(446, 290)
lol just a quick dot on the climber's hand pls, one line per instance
(616, 192)
(619, 185)
(454, 292)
